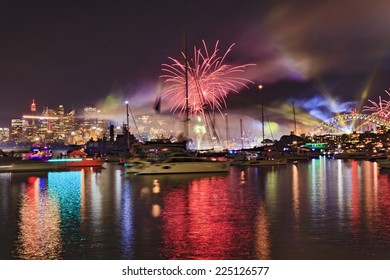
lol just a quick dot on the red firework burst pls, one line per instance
(210, 80)
(381, 109)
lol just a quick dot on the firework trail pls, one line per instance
(209, 81)
(380, 109)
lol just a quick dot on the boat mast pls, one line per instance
(262, 111)
(132, 116)
(295, 122)
(127, 125)
(227, 130)
(242, 135)
(186, 79)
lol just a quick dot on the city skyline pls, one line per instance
(327, 58)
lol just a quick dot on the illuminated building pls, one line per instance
(33, 109)
(4, 134)
(69, 121)
(17, 126)
(58, 124)
(90, 123)
(53, 125)
(45, 127)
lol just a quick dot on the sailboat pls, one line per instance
(261, 156)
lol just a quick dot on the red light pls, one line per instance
(33, 106)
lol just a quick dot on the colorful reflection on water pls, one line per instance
(49, 215)
(39, 223)
(204, 220)
(320, 209)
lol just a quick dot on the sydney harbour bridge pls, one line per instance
(347, 123)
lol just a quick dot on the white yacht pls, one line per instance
(136, 165)
(185, 164)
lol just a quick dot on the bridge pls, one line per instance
(347, 123)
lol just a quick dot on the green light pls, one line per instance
(65, 160)
(316, 145)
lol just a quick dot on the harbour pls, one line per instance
(194, 139)
(319, 209)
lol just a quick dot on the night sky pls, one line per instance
(325, 56)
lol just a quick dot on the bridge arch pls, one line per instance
(346, 123)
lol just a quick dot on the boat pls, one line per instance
(9, 158)
(295, 156)
(247, 158)
(77, 162)
(135, 165)
(39, 152)
(351, 154)
(379, 156)
(30, 166)
(385, 164)
(77, 159)
(185, 164)
(50, 165)
(263, 161)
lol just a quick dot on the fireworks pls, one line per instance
(380, 109)
(209, 81)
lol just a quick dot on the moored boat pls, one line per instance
(9, 159)
(185, 164)
(262, 161)
(78, 158)
(351, 154)
(50, 165)
(379, 156)
(135, 165)
(77, 162)
(29, 166)
(295, 156)
(39, 152)
(384, 163)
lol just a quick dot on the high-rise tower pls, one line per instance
(33, 109)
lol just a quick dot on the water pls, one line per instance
(320, 209)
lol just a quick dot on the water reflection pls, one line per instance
(262, 246)
(346, 199)
(126, 218)
(5, 179)
(320, 209)
(39, 223)
(295, 191)
(49, 215)
(65, 191)
(206, 218)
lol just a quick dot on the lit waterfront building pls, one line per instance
(152, 127)
(92, 126)
(4, 134)
(17, 126)
(69, 123)
(55, 125)
(58, 124)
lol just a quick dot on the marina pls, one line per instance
(316, 209)
(141, 131)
